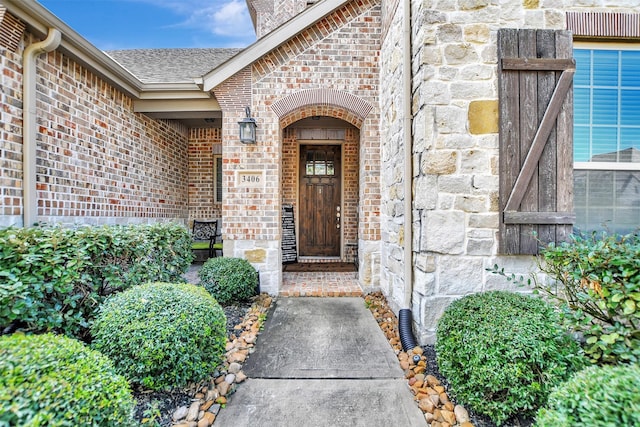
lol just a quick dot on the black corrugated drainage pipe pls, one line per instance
(404, 328)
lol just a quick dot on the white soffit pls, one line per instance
(175, 105)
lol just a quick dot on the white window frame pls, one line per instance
(606, 166)
(217, 187)
(616, 166)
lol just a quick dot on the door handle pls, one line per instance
(338, 217)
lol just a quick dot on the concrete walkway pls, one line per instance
(322, 362)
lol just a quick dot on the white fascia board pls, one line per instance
(269, 42)
(175, 105)
(39, 20)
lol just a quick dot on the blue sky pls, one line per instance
(133, 24)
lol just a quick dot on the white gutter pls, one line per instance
(270, 41)
(30, 124)
(408, 158)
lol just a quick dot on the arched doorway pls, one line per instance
(320, 181)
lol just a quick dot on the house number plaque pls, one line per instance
(250, 179)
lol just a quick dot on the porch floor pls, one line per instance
(320, 284)
(307, 284)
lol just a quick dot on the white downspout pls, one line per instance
(405, 318)
(30, 125)
(408, 159)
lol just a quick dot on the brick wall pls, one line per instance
(204, 144)
(270, 14)
(339, 54)
(10, 120)
(97, 160)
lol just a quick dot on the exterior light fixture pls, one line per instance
(248, 127)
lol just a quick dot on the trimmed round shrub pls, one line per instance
(595, 396)
(503, 352)
(229, 280)
(162, 335)
(53, 380)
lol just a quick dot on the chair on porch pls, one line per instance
(204, 235)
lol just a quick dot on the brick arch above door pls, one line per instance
(321, 102)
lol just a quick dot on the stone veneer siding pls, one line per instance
(455, 146)
(97, 161)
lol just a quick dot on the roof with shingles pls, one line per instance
(171, 65)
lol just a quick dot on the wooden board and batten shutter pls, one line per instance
(535, 69)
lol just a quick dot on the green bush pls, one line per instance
(229, 280)
(599, 287)
(43, 283)
(124, 256)
(53, 380)
(502, 352)
(54, 278)
(162, 335)
(596, 396)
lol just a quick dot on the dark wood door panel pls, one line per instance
(320, 195)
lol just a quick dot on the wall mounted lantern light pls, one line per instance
(248, 127)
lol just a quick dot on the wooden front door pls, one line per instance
(320, 195)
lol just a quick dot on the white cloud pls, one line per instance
(228, 19)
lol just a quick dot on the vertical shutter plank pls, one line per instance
(509, 156)
(547, 163)
(564, 49)
(530, 112)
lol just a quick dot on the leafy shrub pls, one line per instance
(53, 380)
(124, 256)
(502, 352)
(54, 278)
(42, 275)
(596, 282)
(596, 396)
(162, 335)
(229, 280)
(600, 287)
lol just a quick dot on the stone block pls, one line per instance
(460, 54)
(457, 184)
(431, 310)
(465, 90)
(483, 116)
(477, 33)
(480, 247)
(425, 262)
(443, 232)
(256, 256)
(451, 119)
(477, 162)
(439, 162)
(449, 33)
(424, 283)
(468, 203)
(460, 275)
(425, 196)
(484, 220)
